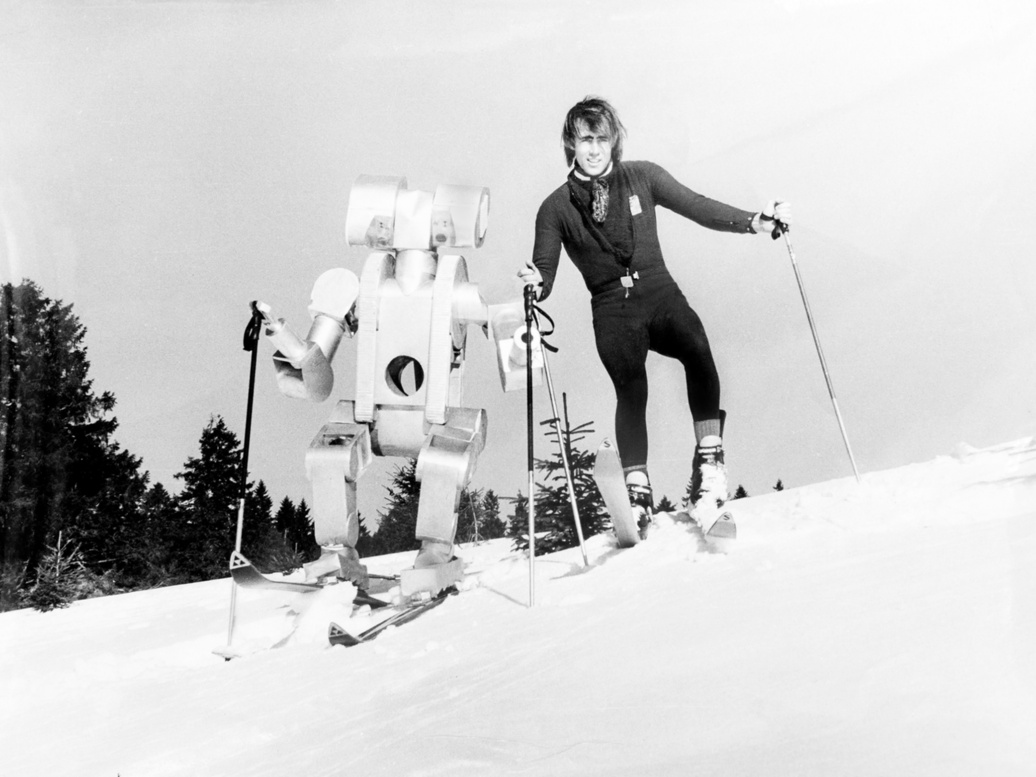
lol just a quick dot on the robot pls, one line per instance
(408, 311)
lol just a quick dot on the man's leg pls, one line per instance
(623, 347)
(678, 332)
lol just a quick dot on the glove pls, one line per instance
(776, 215)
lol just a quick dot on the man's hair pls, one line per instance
(597, 114)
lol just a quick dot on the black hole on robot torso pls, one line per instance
(404, 375)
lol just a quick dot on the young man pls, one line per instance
(604, 218)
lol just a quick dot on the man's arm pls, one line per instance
(542, 268)
(671, 194)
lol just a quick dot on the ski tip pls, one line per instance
(723, 529)
(336, 635)
(722, 536)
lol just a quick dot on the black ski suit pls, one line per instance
(652, 313)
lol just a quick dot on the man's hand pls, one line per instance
(773, 211)
(531, 275)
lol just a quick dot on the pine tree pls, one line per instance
(397, 525)
(284, 518)
(58, 579)
(555, 525)
(283, 556)
(493, 526)
(367, 543)
(664, 505)
(779, 486)
(261, 543)
(518, 522)
(209, 502)
(740, 493)
(149, 559)
(60, 470)
(301, 538)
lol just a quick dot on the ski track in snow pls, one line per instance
(877, 628)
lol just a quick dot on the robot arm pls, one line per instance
(508, 330)
(304, 366)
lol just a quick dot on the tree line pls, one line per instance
(79, 516)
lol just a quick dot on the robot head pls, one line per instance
(385, 215)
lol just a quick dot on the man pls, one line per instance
(604, 218)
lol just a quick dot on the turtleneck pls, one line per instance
(578, 171)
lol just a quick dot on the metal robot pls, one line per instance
(409, 311)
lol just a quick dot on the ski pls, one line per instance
(612, 484)
(247, 576)
(723, 529)
(718, 533)
(336, 635)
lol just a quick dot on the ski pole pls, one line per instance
(251, 343)
(564, 457)
(530, 299)
(779, 229)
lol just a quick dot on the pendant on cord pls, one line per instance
(627, 281)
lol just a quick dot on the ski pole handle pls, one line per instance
(530, 300)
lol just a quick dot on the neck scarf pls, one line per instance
(600, 200)
(614, 231)
(600, 186)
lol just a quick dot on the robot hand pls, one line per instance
(304, 366)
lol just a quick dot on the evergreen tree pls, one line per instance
(62, 577)
(741, 493)
(284, 518)
(149, 560)
(518, 522)
(208, 503)
(555, 525)
(554, 519)
(779, 486)
(471, 516)
(664, 505)
(397, 525)
(301, 538)
(59, 577)
(261, 543)
(367, 544)
(493, 526)
(60, 470)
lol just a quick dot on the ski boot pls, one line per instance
(709, 490)
(642, 502)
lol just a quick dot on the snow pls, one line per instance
(855, 629)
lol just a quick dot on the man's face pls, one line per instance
(593, 149)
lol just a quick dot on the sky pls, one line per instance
(881, 629)
(162, 164)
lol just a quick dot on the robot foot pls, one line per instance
(435, 568)
(433, 553)
(341, 561)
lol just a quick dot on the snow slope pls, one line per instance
(882, 628)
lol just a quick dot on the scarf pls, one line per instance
(612, 228)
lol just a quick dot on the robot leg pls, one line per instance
(336, 459)
(444, 467)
